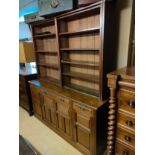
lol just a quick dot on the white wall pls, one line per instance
(124, 10)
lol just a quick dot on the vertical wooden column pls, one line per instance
(112, 84)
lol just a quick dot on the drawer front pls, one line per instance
(126, 136)
(123, 150)
(126, 120)
(63, 105)
(82, 110)
(49, 101)
(83, 121)
(126, 102)
(63, 99)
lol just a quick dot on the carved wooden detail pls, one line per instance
(111, 117)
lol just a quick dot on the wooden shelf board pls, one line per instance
(83, 89)
(47, 52)
(45, 35)
(79, 49)
(90, 30)
(81, 63)
(54, 66)
(82, 76)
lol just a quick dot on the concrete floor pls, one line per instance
(42, 138)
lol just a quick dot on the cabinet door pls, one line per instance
(64, 116)
(83, 131)
(49, 110)
(37, 107)
(36, 100)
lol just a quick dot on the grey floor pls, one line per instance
(42, 138)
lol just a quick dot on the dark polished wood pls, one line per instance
(71, 93)
(26, 74)
(121, 125)
(74, 116)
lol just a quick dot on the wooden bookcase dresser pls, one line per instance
(74, 52)
(121, 125)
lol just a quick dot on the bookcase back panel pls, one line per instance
(91, 85)
(44, 29)
(49, 59)
(52, 73)
(86, 70)
(84, 56)
(46, 44)
(80, 24)
(84, 41)
(49, 73)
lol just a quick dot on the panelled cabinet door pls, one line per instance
(83, 130)
(64, 116)
(37, 103)
(49, 110)
(37, 108)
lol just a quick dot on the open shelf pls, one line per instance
(47, 52)
(53, 66)
(51, 80)
(90, 30)
(82, 89)
(81, 63)
(79, 49)
(82, 76)
(45, 35)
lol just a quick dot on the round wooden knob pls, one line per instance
(129, 123)
(127, 138)
(125, 153)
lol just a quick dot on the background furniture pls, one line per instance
(25, 74)
(72, 53)
(121, 125)
(26, 52)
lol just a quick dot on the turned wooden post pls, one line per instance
(112, 84)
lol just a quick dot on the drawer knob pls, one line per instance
(127, 138)
(132, 104)
(129, 123)
(125, 153)
(81, 108)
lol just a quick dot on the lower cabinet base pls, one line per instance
(72, 118)
(83, 150)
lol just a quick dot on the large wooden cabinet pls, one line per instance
(73, 52)
(121, 129)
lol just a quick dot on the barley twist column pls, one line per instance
(112, 82)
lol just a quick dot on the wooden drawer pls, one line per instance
(126, 102)
(83, 120)
(82, 110)
(126, 120)
(126, 137)
(63, 99)
(63, 105)
(49, 101)
(123, 150)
